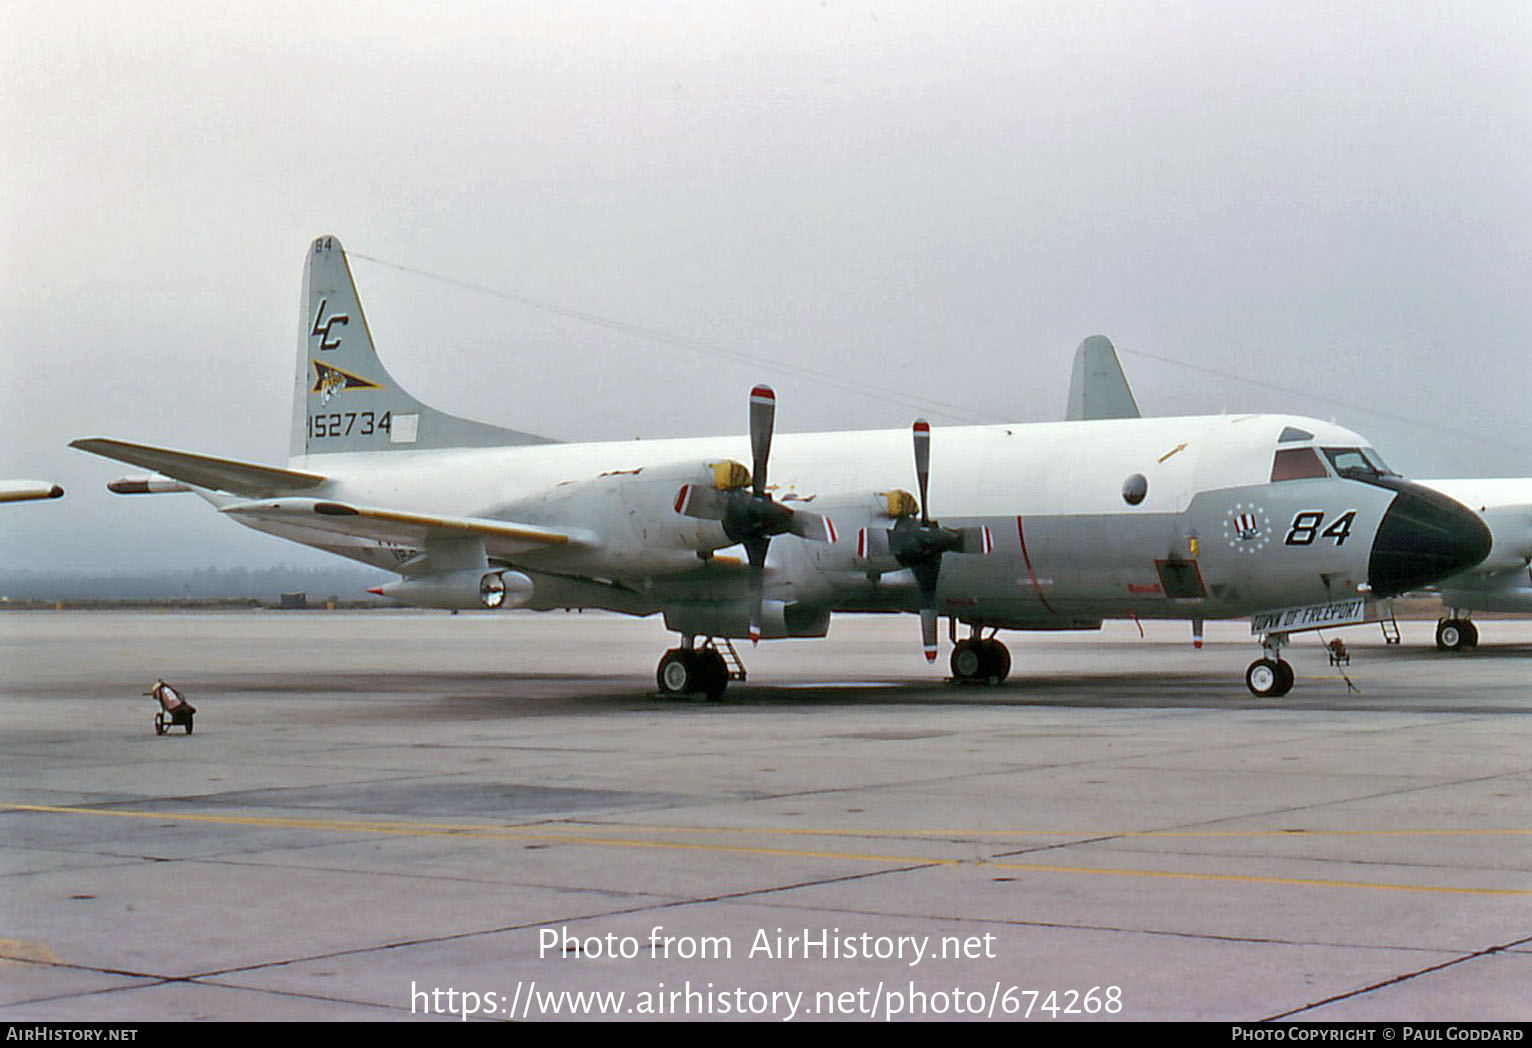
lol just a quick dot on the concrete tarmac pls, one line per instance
(394, 815)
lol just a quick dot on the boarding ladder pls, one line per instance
(1390, 624)
(725, 648)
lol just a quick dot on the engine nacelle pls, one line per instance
(473, 590)
(634, 511)
(732, 619)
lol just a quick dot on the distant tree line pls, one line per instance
(264, 584)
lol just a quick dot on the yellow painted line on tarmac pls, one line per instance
(15, 951)
(848, 831)
(572, 829)
(1309, 882)
(513, 833)
(468, 832)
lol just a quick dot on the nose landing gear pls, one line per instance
(1271, 676)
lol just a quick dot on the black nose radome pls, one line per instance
(1423, 537)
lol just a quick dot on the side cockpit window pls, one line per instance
(1356, 460)
(1296, 464)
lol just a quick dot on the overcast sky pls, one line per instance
(883, 209)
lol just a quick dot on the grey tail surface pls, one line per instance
(344, 399)
(1098, 388)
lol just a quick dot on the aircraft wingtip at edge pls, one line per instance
(29, 490)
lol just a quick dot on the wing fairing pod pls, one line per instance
(28, 490)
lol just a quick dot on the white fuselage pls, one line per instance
(1069, 550)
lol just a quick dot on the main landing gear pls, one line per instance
(980, 660)
(1271, 676)
(1455, 634)
(694, 670)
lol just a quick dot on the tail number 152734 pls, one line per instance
(346, 423)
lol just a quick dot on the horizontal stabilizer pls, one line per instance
(501, 538)
(240, 478)
(24, 490)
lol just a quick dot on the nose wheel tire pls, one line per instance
(1456, 634)
(1269, 678)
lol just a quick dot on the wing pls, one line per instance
(402, 528)
(239, 478)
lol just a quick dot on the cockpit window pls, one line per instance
(1292, 433)
(1296, 464)
(1356, 460)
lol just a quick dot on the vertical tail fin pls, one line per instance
(1098, 388)
(344, 399)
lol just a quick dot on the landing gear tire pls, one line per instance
(980, 662)
(998, 659)
(688, 671)
(967, 660)
(1269, 678)
(677, 673)
(712, 673)
(1456, 634)
(1285, 670)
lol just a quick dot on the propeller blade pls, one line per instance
(812, 526)
(763, 411)
(704, 503)
(926, 571)
(923, 463)
(977, 540)
(872, 544)
(755, 550)
(928, 632)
